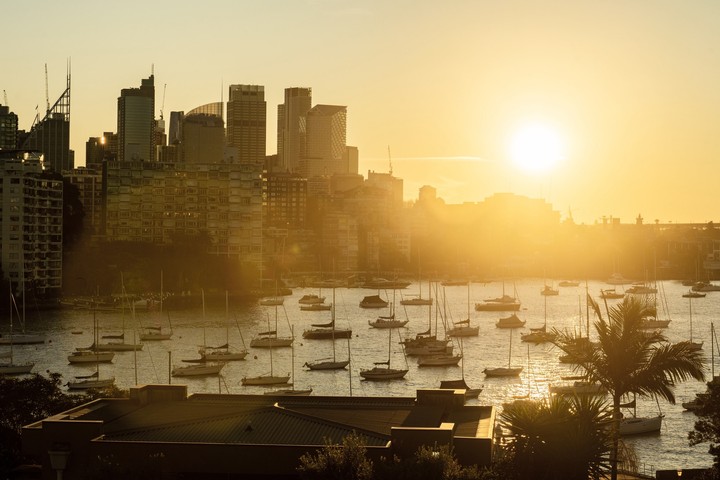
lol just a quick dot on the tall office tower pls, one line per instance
(51, 135)
(291, 128)
(203, 138)
(8, 129)
(31, 216)
(174, 135)
(246, 122)
(326, 152)
(136, 122)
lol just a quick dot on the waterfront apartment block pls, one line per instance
(31, 214)
(158, 202)
(88, 181)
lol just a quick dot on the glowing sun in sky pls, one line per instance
(536, 148)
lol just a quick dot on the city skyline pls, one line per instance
(629, 89)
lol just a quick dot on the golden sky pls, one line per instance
(632, 88)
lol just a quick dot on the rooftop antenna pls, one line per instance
(5, 98)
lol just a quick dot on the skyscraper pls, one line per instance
(326, 151)
(136, 122)
(291, 128)
(246, 122)
(8, 128)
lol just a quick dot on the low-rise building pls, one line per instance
(162, 430)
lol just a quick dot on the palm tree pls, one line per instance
(627, 360)
(541, 433)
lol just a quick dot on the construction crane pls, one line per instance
(162, 106)
(47, 94)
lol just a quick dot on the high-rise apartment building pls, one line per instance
(31, 215)
(51, 135)
(246, 123)
(136, 122)
(291, 127)
(8, 128)
(326, 150)
(88, 181)
(285, 200)
(154, 202)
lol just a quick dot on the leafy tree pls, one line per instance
(541, 434)
(627, 360)
(707, 427)
(29, 399)
(338, 462)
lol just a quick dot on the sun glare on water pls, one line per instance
(536, 148)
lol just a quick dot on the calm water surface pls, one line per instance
(493, 347)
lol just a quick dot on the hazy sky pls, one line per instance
(631, 87)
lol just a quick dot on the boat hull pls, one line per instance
(380, 374)
(266, 380)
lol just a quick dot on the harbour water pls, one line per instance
(68, 329)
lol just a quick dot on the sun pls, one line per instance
(536, 148)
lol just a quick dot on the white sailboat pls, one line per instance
(223, 353)
(508, 371)
(635, 425)
(388, 321)
(10, 367)
(84, 382)
(292, 390)
(269, 338)
(267, 379)
(462, 328)
(330, 363)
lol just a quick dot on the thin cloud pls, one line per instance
(432, 159)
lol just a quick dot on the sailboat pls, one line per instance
(504, 371)
(119, 346)
(425, 343)
(22, 338)
(292, 390)
(327, 331)
(83, 382)
(198, 369)
(90, 354)
(12, 368)
(693, 345)
(384, 373)
(697, 402)
(154, 333)
(539, 334)
(462, 328)
(505, 303)
(223, 353)
(267, 379)
(417, 300)
(461, 384)
(388, 321)
(635, 425)
(444, 359)
(269, 338)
